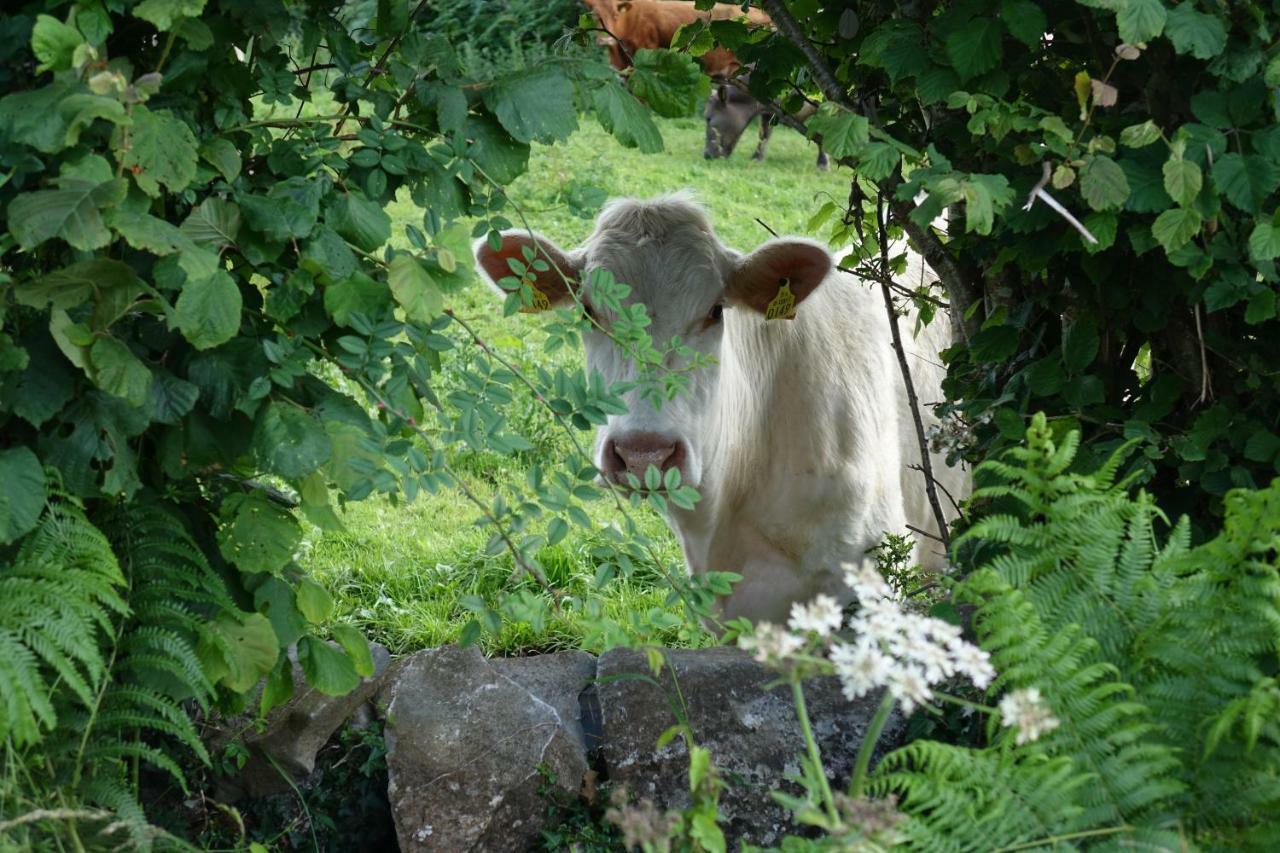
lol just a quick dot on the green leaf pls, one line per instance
(171, 398)
(223, 155)
(502, 158)
(357, 294)
(1080, 344)
(275, 599)
(215, 221)
(1140, 21)
(1262, 307)
(983, 196)
(256, 534)
(1201, 35)
(276, 690)
(671, 83)
(289, 211)
(1245, 179)
(247, 647)
(878, 160)
(1264, 242)
(327, 669)
(328, 255)
(895, 47)
(1262, 446)
(975, 48)
(1103, 183)
(356, 647)
(1174, 228)
(118, 371)
(161, 151)
(626, 118)
(195, 33)
(74, 285)
(360, 220)
(289, 441)
(72, 212)
(1025, 20)
(843, 133)
(80, 110)
(415, 290)
(314, 601)
(34, 118)
(54, 43)
(536, 105)
(163, 13)
(1140, 135)
(1182, 180)
(22, 492)
(208, 310)
(148, 233)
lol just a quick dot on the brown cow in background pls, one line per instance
(639, 24)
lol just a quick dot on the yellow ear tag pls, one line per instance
(783, 305)
(540, 301)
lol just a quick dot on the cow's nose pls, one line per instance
(633, 453)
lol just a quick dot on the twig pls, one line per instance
(1039, 191)
(913, 401)
(1206, 382)
(760, 221)
(790, 29)
(382, 60)
(923, 532)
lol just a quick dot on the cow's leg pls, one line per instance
(766, 130)
(822, 158)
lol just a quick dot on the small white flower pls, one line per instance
(771, 643)
(867, 583)
(909, 686)
(1025, 710)
(821, 616)
(936, 661)
(973, 662)
(861, 667)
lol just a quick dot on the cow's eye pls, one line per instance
(716, 314)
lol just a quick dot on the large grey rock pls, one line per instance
(557, 679)
(752, 732)
(466, 742)
(292, 734)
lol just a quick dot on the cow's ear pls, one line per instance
(551, 284)
(757, 281)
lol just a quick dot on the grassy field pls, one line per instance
(402, 572)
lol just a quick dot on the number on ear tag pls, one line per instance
(783, 305)
(540, 301)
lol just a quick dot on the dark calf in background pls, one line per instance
(730, 109)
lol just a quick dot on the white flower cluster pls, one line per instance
(1026, 710)
(952, 434)
(904, 652)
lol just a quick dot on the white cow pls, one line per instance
(799, 439)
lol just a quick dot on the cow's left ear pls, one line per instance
(799, 264)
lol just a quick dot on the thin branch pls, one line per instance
(791, 31)
(913, 401)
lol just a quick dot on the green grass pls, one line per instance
(402, 572)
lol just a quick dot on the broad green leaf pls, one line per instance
(290, 441)
(275, 599)
(214, 221)
(1103, 183)
(983, 196)
(415, 290)
(118, 371)
(208, 310)
(171, 398)
(163, 13)
(878, 160)
(222, 154)
(1196, 33)
(356, 647)
(1262, 307)
(289, 211)
(1174, 228)
(1140, 135)
(671, 83)
(626, 118)
(256, 534)
(247, 648)
(327, 255)
(277, 689)
(54, 43)
(195, 33)
(1246, 179)
(80, 110)
(357, 294)
(1264, 242)
(843, 133)
(161, 151)
(975, 47)
(72, 212)
(315, 502)
(360, 220)
(314, 601)
(1140, 21)
(76, 284)
(34, 117)
(1025, 20)
(22, 492)
(535, 105)
(502, 158)
(1182, 180)
(148, 233)
(1080, 344)
(895, 47)
(328, 670)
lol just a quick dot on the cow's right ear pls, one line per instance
(551, 285)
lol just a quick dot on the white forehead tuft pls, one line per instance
(659, 218)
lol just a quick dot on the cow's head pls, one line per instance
(692, 286)
(728, 112)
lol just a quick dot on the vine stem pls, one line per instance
(858, 783)
(1070, 836)
(815, 754)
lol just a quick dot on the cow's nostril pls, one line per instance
(634, 453)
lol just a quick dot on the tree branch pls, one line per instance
(791, 31)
